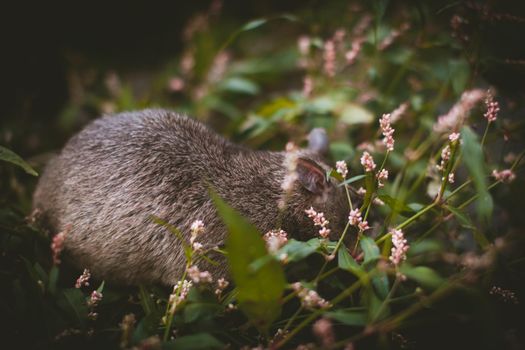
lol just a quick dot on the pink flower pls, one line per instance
(308, 86)
(368, 162)
(341, 168)
(176, 84)
(94, 299)
(197, 227)
(381, 177)
(83, 280)
(505, 175)
(398, 252)
(319, 220)
(309, 298)
(363, 226)
(222, 284)
(451, 178)
(351, 55)
(388, 132)
(57, 245)
(457, 114)
(198, 276)
(354, 218)
(492, 108)
(322, 328)
(329, 58)
(398, 112)
(303, 44)
(454, 136)
(275, 239)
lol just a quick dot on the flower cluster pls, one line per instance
(505, 175)
(506, 295)
(381, 177)
(127, 325)
(57, 245)
(398, 112)
(309, 298)
(445, 157)
(368, 162)
(275, 239)
(323, 330)
(492, 108)
(355, 219)
(400, 248)
(341, 168)
(319, 220)
(457, 114)
(94, 299)
(197, 228)
(198, 276)
(387, 131)
(222, 284)
(178, 295)
(329, 58)
(83, 280)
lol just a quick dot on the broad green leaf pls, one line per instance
(11, 157)
(77, 304)
(425, 276)
(239, 85)
(53, 279)
(396, 205)
(424, 247)
(349, 318)
(347, 262)
(355, 114)
(370, 249)
(259, 292)
(197, 341)
(473, 157)
(297, 250)
(465, 221)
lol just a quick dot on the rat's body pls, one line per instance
(112, 177)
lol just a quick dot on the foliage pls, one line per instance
(269, 82)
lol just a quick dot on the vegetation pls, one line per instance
(420, 140)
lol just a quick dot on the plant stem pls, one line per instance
(316, 313)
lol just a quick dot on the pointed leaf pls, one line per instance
(260, 291)
(11, 157)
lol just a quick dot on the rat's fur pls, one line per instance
(112, 177)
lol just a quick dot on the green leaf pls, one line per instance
(146, 301)
(353, 179)
(473, 157)
(77, 304)
(349, 318)
(396, 205)
(11, 157)
(370, 249)
(240, 85)
(198, 341)
(347, 262)
(259, 292)
(370, 186)
(425, 276)
(355, 114)
(53, 279)
(297, 250)
(254, 24)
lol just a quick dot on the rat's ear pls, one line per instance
(311, 176)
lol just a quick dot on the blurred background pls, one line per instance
(254, 71)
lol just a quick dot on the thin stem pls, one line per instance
(318, 312)
(291, 319)
(485, 134)
(387, 299)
